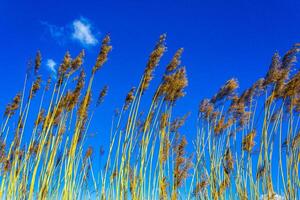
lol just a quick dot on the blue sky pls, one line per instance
(221, 40)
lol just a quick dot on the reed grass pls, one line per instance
(247, 145)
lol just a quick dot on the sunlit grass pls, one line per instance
(246, 146)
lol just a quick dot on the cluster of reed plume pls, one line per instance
(236, 137)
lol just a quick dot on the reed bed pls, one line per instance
(247, 143)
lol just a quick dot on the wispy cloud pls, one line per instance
(83, 33)
(59, 33)
(80, 30)
(51, 66)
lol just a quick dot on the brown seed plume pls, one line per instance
(83, 107)
(175, 62)
(200, 186)
(226, 91)
(102, 56)
(102, 95)
(164, 120)
(153, 61)
(292, 88)
(63, 68)
(173, 85)
(289, 59)
(206, 108)
(38, 60)
(164, 154)
(48, 84)
(178, 122)
(182, 164)
(280, 70)
(35, 87)
(77, 62)
(274, 70)
(88, 153)
(221, 125)
(12, 107)
(238, 110)
(248, 141)
(72, 98)
(228, 163)
(129, 98)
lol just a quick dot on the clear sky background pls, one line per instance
(221, 40)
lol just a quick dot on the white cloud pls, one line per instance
(51, 66)
(80, 30)
(83, 33)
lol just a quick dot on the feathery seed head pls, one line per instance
(206, 108)
(129, 98)
(274, 70)
(77, 62)
(178, 123)
(164, 120)
(102, 56)
(38, 60)
(173, 85)
(35, 87)
(12, 107)
(175, 62)
(102, 95)
(63, 68)
(248, 141)
(88, 153)
(226, 90)
(153, 61)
